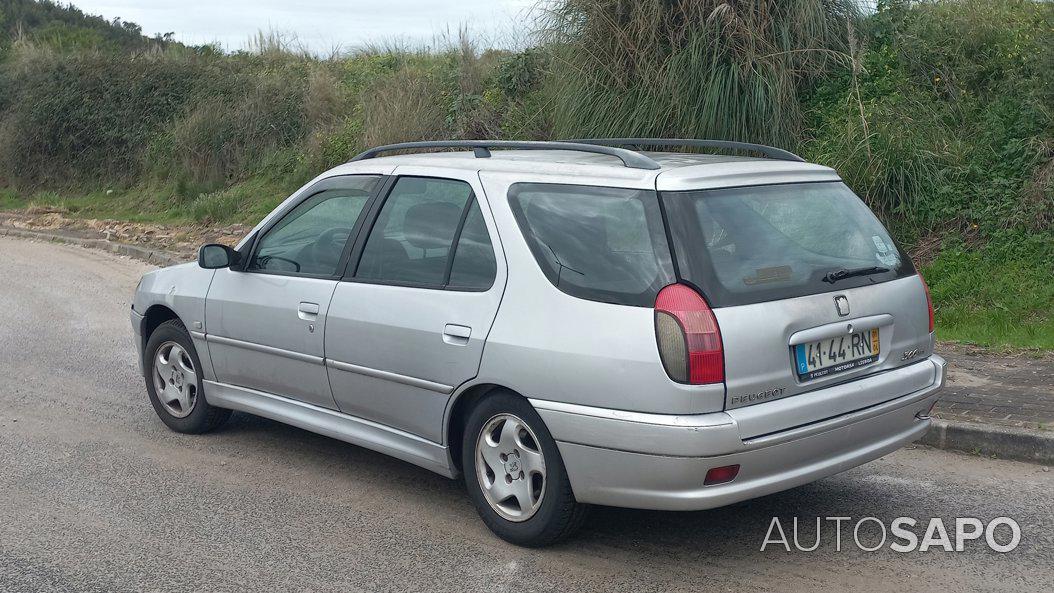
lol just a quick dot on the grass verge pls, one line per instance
(1000, 294)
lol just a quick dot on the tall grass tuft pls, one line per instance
(718, 69)
(403, 107)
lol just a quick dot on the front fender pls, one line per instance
(182, 290)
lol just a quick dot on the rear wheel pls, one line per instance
(174, 382)
(514, 473)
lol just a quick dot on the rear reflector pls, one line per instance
(688, 337)
(929, 301)
(721, 475)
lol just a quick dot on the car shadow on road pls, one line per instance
(736, 530)
(310, 451)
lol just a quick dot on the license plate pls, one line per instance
(836, 355)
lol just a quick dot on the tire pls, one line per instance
(554, 514)
(196, 418)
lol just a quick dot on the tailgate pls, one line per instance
(809, 291)
(761, 341)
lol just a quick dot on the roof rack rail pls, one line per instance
(481, 148)
(768, 151)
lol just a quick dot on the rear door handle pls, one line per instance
(307, 311)
(457, 335)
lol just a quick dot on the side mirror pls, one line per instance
(215, 256)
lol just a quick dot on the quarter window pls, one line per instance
(597, 243)
(413, 238)
(310, 239)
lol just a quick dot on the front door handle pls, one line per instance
(457, 335)
(307, 311)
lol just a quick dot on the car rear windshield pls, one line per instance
(754, 244)
(596, 243)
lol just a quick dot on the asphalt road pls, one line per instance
(97, 495)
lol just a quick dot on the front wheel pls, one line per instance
(514, 473)
(174, 382)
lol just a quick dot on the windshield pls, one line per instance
(753, 244)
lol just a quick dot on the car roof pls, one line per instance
(678, 170)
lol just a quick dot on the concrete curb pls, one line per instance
(150, 256)
(1019, 444)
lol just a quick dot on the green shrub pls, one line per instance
(943, 127)
(338, 144)
(221, 138)
(71, 119)
(517, 92)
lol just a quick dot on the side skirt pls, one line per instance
(371, 435)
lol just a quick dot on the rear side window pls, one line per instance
(596, 243)
(754, 244)
(429, 233)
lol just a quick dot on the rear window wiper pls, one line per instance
(842, 274)
(560, 272)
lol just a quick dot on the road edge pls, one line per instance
(150, 256)
(1017, 444)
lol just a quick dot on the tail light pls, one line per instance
(929, 301)
(688, 337)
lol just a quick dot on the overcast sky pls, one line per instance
(323, 25)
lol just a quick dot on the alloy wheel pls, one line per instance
(510, 467)
(175, 380)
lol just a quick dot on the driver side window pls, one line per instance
(310, 239)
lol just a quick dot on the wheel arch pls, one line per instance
(154, 317)
(458, 412)
(160, 313)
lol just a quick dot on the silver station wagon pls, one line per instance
(561, 324)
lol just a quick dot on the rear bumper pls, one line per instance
(659, 462)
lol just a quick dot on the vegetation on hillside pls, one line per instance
(946, 126)
(940, 114)
(67, 28)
